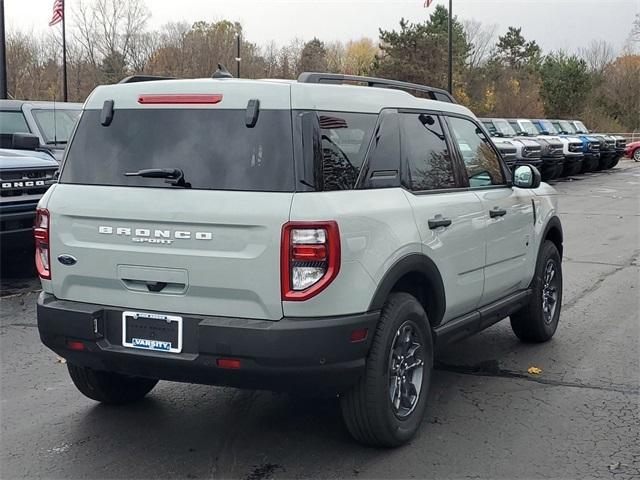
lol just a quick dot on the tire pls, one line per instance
(109, 387)
(534, 323)
(603, 163)
(615, 161)
(636, 155)
(367, 409)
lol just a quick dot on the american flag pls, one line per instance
(331, 123)
(58, 8)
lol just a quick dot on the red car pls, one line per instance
(633, 151)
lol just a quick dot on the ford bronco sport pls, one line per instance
(305, 235)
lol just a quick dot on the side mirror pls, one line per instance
(25, 141)
(526, 176)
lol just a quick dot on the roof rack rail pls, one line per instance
(144, 78)
(340, 79)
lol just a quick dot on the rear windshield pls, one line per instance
(214, 148)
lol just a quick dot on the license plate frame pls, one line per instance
(150, 344)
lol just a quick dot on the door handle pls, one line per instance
(497, 212)
(439, 221)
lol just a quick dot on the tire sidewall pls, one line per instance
(548, 252)
(403, 429)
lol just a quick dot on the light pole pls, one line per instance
(238, 55)
(3, 55)
(450, 52)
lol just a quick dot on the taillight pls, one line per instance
(41, 235)
(310, 258)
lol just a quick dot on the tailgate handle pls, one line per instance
(154, 287)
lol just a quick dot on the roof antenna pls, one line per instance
(55, 123)
(222, 72)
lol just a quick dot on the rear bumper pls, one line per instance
(292, 354)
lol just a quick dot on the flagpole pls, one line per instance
(3, 55)
(64, 55)
(450, 52)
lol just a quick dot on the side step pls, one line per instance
(484, 317)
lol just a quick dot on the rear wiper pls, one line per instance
(175, 176)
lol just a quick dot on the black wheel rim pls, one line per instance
(550, 287)
(406, 369)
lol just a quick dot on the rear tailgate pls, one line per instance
(223, 258)
(142, 243)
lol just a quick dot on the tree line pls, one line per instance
(503, 75)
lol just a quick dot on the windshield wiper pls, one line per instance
(175, 176)
(57, 142)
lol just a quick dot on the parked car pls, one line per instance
(265, 234)
(632, 150)
(508, 150)
(619, 143)
(571, 146)
(529, 149)
(25, 175)
(552, 155)
(590, 145)
(607, 145)
(52, 122)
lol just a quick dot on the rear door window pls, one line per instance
(425, 152)
(214, 148)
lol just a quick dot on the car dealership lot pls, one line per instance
(487, 417)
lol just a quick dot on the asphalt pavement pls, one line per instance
(486, 418)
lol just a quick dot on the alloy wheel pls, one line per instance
(549, 291)
(406, 369)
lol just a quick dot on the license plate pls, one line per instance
(152, 331)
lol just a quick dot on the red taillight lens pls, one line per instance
(309, 252)
(310, 258)
(181, 98)
(41, 236)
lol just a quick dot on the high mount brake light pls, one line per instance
(170, 98)
(310, 258)
(41, 236)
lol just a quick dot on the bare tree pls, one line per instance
(598, 54)
(108, 27)
(482, 37)
(633, 42)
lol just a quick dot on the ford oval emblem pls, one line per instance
(67, 260)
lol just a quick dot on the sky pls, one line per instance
(554, 24)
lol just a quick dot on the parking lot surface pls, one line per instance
(487, 417)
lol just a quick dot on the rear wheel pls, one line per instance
(636, 155)
(109, 387)
(538, 321)
(386, 406)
